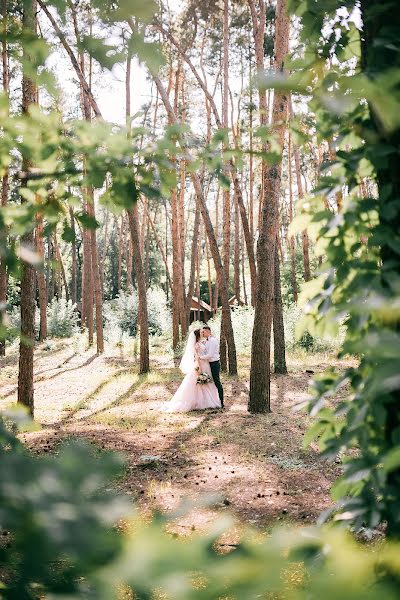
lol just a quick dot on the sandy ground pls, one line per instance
(252, 466)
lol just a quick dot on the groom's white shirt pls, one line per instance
(211, 350)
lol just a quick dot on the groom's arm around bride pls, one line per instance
(211, 355)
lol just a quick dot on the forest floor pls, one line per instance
(256, 465)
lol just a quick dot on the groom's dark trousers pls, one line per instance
(215, 369)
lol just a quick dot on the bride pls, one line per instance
(192, 395)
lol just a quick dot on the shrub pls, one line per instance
(121, 314)
(62, 318)
(242, 322)
(14, 323)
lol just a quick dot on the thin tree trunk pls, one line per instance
(178, 292)
(144, 363)
(104, 251)
(61, 268)
(147, 252)
(98, 296)
(159, 246)
(226, 200)
(87, 299)
(226, 312)
(300, 192)
(181, 211)
(5, 185)
(231, 167)
(143, 322)
(193, 259)
(209, 273)
(247, 236)
(279, 330)
(50, 271)
(292, 240)
(81, 77)
(74, 267)
(259, 398)
(41, 280)
(216, 291)
(120, 251)
(243, 275)
(198, 276)
(251, 168)
(26, 348)
(236, 260)
(129, 263)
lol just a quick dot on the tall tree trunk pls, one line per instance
(226, 200)
(50, 279)
(61, 270)
(300, 192)
(216, 291)
(209, 273)
(25, 373)
(178, 291)
(74, 266)
(181, 211)
(5, 186)
(41, 281)
(243, 274)
(120, 251)
(87, 298)
(129, 263)
(144, 362)
(159, 245)
(104, 251)
(259, 398)
(247, 236)
(147, 252)
(236, 259)
(279, 329)
(292, 241)
(94, 256)
(198, 276)
(133, 220)
(251, 168)
(193, 259)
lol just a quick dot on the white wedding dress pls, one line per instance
(192, 395)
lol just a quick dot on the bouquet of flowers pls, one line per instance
(203, 378)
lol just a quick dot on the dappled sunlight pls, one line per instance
(252, 466)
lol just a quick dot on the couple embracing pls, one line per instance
(201, 387)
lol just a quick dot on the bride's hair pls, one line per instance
(197, 334)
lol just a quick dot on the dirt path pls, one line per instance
(253, 466)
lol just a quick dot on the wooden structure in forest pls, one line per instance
(200, 310)
(234, 302)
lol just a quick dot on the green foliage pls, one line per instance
(355, 98)
(61, 540)
(243, 319)
(58, 517)
(121, 313)
(62, 318)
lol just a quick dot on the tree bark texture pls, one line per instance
(26, 348)
(5, 185)
(41, 280)
(144, 361)
(279, 329)
(259, 398)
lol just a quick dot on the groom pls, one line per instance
(212, 356)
